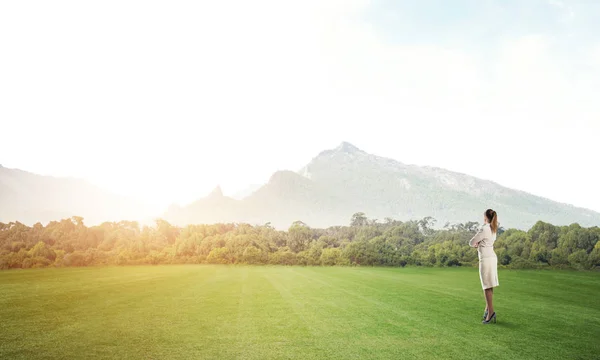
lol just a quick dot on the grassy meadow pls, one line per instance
(244, 312)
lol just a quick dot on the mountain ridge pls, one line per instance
(31, 198)
(327, 191)
(346, 179)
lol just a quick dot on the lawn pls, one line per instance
(221, 312)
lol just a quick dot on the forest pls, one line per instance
(364, 242)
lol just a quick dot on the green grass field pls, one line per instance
(220, 312)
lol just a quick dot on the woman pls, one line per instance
(488, 262)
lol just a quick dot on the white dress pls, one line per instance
(488, 261)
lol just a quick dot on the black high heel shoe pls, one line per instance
(492, 318)
(484, 315)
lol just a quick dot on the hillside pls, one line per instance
(345, 180)
(327, 191)
(30, 198)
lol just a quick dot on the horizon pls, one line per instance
(246, 191)
(166, 103)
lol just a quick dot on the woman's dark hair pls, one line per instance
(492, 219)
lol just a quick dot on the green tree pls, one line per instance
(426, 225)
(253, 255)
(331, 256)
(580, 259)
(219, 256)
(359, 219)
(299, 236)
(42, 250)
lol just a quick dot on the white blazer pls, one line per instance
(484, 239)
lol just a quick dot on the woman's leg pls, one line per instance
(486, 301)
(489, 293)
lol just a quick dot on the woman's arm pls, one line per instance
(474, 242)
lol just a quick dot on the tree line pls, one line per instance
(364, 242)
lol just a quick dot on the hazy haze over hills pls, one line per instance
(345, 180)
(169, 100)
(31, 198)
(327, 191)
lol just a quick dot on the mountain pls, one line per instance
(244, 193)
(342, 181)
(30, 198)
(327, 191)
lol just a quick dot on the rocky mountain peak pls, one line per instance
(346, 147)
(216, 193)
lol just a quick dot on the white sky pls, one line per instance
(163, 100)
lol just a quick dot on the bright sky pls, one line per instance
(163, 100)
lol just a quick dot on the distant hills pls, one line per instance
(31, 198)
(327, 191)
(341, 181)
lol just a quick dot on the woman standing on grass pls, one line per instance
(488, 262)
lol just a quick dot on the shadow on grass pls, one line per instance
(508, 325)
